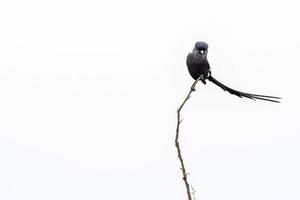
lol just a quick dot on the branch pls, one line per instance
(187, 185)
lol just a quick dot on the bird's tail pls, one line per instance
(243, 94)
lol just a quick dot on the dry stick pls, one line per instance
(187, 185)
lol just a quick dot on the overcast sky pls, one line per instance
(89, 92)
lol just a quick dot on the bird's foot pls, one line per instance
(193, 89)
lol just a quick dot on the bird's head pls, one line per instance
(201, 48)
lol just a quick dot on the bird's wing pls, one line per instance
(243, 94)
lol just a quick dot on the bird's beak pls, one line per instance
(202, 52)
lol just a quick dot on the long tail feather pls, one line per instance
(243, 94)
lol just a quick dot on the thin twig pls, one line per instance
(193, 193)
(187, 185)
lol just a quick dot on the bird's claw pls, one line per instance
(193, 89)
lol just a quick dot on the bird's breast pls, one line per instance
(197, 65)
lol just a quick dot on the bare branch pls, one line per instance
(184, 174)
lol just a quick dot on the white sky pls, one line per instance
(89, 92)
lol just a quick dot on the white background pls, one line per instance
(89, 92)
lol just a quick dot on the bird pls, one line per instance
(198, 65)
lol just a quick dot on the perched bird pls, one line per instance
(198, 65)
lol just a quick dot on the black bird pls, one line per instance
(198, 65)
